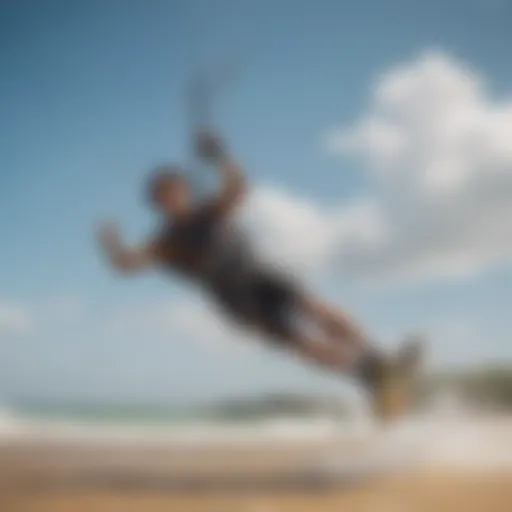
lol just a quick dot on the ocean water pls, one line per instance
(98, 414)
(142, 424)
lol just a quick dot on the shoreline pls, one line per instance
(282, 451)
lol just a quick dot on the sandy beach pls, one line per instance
(491, 492)
(460, 466)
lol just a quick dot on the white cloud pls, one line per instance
(14, 320)
(438, 148)
(306, 236)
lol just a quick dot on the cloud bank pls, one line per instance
(437, 148)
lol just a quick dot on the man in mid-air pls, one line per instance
(199, 240)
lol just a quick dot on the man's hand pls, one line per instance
(109, 236)
(232, 190)
(210, 147)
(126, 259)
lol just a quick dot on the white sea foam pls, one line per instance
(282, 430)
(8, 422)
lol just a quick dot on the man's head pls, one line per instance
(168, 190)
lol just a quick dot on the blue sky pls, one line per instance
(91, 96)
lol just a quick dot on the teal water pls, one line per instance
(233, 411)
(136, 415)
(106, 414)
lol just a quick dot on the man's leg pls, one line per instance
(366, 361)
(334, 322)
(321, 335)
(317, 330)
(344, 347)
(321, 352)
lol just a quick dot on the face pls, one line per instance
(172, 197)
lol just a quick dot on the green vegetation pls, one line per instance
(489, 386)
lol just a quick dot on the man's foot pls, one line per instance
(391, 380)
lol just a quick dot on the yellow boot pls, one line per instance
(392, 389)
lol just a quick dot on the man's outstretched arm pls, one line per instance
(233, 186)
(120, 256)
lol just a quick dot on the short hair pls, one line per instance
(163, 175)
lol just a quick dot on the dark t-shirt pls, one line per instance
(203, 247)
